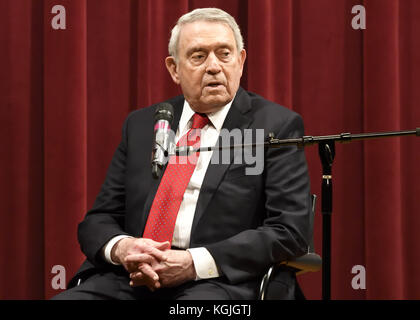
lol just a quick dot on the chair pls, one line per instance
(310, 262)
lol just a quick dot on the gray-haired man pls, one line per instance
(228, 227)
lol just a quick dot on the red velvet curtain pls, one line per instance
(65, 93)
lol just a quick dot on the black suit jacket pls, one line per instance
(247, 222)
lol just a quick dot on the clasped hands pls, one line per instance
(153, 264)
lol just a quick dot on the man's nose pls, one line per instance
(213, 65)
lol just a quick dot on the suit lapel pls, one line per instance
(236, 118)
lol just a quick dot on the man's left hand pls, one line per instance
(177, 269)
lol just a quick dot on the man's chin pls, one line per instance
(210, 102)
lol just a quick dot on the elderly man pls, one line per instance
(223, 228)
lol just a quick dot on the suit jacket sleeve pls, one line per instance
(106, 218)
(285, 228)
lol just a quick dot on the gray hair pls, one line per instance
(204, 14)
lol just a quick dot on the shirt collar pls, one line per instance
(216, 118)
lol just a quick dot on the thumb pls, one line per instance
(163, 245)
(159, 245)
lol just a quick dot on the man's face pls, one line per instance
(209, 66)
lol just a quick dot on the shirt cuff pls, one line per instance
(205, 266)
(108, 247)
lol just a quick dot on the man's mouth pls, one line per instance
(214, 84)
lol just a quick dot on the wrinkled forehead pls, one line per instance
(205, 33)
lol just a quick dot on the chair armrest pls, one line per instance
(310, 262)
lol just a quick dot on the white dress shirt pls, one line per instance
(204, 263)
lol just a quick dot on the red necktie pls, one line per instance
(162, 217)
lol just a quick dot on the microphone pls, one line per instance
(164, 116)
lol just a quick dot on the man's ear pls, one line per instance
(171, 66)
(242, 58)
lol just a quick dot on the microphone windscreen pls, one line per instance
(164, 111)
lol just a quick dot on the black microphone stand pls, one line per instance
(326, 150)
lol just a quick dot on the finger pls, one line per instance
(138, 283)
(144, 281)
(158, 254)
(158, 245)
(136, 276)
(139, 279)
(163, 245)
(135, 260)
(148, 271)
(130, 266)
(139, 258)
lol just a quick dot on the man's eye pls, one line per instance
(198, 56)
(225, 54)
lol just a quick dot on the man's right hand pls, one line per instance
(148, 253)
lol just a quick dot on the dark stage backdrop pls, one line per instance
(65, 93)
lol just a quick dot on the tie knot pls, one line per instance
(199, 120)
